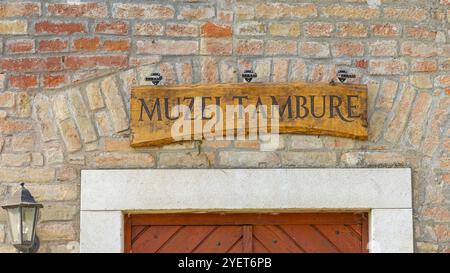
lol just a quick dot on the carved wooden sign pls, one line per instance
(166, 114)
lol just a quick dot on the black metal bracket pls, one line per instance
(248, 75)
(343, 75)
(155, 78)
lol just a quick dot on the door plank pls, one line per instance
(309, 239)
(236, 248)
(186, 239)
(247, 242)
(343, 238)
(207, 233)
(153, 238)
(357, 229)
(220, 240)
(275, 240)
(127, 234)
(246, 219)
(365, 233)
(258, 247)
(136, 231)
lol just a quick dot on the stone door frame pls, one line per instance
(106, 195)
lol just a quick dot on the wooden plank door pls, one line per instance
(246, 233)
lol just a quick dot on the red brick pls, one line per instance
(387, 95)
(116, 45)
(400, 116)
(352, 30)
(314, 50)
(350, 12)
(319, 29)
(213, 30)
(144, 11)
(322, 73)
(298, 70)
(440, 214)
(86, 44)
(14, 127)
(7, 100)
(383, 48)
(83, 75)
(423, 66)
(19, 46)
(280, 73)
(442, 232)
(444, 65)
(209, 70)
(340, 49)
(405, 14)
(386, 30)
(168, 47)
(13, 27)
(250, 47)
(101, 61)
(56, 27)
(418, 49)
(168, 70)
(144, 60)
(281, 47)
(291, 29)
(148, 29)
(387, 67)
(117, 28)
(53, 45)
(184, 70)
(437, 120)
(251, 28)
(196, 13)
(19, 9)
(31, 64)
(361, 63)
(420, 33)
(216, 46)
(444, 50)
(92, 10)
(181, 30)
(443, 81)
(225, 16)
(23, 81)
(54, 80)
(415, 129)
(283, 10)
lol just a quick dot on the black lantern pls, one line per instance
(155, 78)
(248, 75)
(23, 214)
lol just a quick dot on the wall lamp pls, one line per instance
(23, 212)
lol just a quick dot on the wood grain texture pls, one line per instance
(245, 218)
(305, 108)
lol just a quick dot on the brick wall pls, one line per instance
(66, 71)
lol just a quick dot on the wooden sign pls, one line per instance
(166, 114)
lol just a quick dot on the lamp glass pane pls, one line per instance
(28, 223)
(14, 222)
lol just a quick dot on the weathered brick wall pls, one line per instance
(66, 72)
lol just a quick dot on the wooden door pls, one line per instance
(246, 232)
